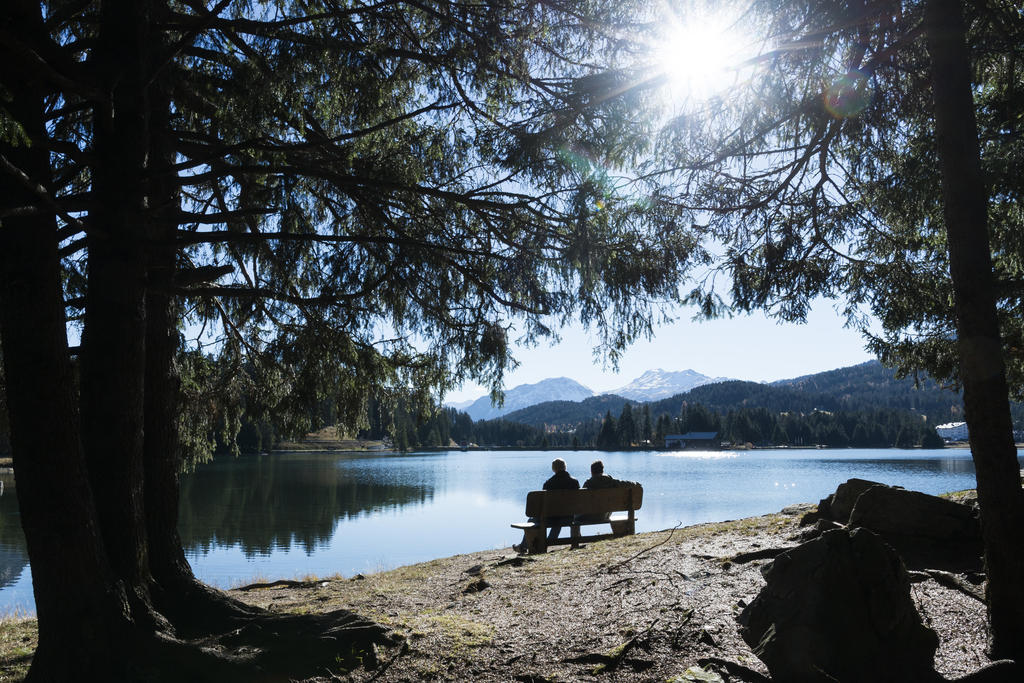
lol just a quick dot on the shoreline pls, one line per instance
(670, 597)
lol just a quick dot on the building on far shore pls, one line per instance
(698, 440)
(953, 431)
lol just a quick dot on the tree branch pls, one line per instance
(41, 192)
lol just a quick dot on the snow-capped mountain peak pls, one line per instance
(657, 384)
(526, 395)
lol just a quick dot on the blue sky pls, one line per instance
(749, 347)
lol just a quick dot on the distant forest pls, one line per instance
(862, 406)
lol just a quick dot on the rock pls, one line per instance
(697, 674)
(839, 608)
(798, 509)
(842, 502)
(811, 517)
(476, 586)
(927, 531)
(1000, 671)
(821, 526)
(969, 498)
(890, 510)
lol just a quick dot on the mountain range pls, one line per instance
(653, 385)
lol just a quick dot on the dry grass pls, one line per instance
(644, 608)
(18, 638)
(649, 606)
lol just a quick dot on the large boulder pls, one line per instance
(891, 510)
(838, 608)
(838, 506)
(927, 531)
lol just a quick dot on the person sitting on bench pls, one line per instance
(560, 480)
(600, 480)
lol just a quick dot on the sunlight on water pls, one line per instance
(702, 455)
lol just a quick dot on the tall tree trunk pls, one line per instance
(80, 606)
(113, 340)
(986, 399)
(193, 607)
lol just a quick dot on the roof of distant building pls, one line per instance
(692, 436)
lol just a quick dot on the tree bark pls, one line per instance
(192, 607)
(80, 606)
(986, 398)
(113, 340)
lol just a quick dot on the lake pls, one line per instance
(286, 515)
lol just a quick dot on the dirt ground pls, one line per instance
(649, 608)
(652, 608)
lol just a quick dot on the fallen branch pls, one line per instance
(956, 582)
(735, 669)
(611, 661)
(283, 583)
(387, 665)
(630, 559)
(766, 554)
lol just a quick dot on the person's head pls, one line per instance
(596, 468)
(558, 465)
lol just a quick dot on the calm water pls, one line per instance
(287, 515)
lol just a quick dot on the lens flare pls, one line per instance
(849, 95)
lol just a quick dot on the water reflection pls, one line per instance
(271, 502)
(13, 556)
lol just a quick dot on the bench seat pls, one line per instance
(544, 505)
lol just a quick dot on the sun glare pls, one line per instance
(699, 56)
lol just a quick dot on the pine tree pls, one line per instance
(608, 437)
(361, 203)
(626, 431)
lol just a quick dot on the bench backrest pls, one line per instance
(583, 501)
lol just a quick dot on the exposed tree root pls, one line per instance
(278, 646)
(197, 610)
(311, 645)
(956, 582)
(765, 554)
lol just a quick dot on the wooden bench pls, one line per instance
(543, 505)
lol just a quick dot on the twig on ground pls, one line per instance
(387, 665)
(687, 615)
(736, 670)
(648, 549)
(956, 582)
(765, 554)
(283, 583)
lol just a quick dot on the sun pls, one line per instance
(698, 55)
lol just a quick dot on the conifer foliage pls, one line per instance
(356, 199)
(869, 152)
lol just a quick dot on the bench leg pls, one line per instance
(536, 541)
(624, 528)
(574, 534)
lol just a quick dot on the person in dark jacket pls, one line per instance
(560, 480)
(600, 480)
